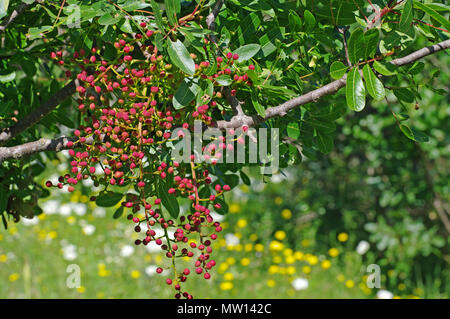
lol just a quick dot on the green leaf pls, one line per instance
(356, 45)
(205, 92)
(131, 5)
(246, 52)
(324, 142)
(354, 92)
(232, 180)
(323, 126)
(180, 56)
(126, 26)
(404, 95)
(158, 15)
(295, 23)
(258, 107)
(384, 69)
(118, 212)
(3, 8)
(36, 33)
(416, 68)
(373, 84)
(223, 80)
(186, 93)
(336, 12)
(224, 206)
(169, 201)
(107, 19)
(413, 134)
(337, 70)
(245, 178)
(407, 16)
(7, 77)
(171, 11)
(432, 13)
(108, 199)
(371, 38)
(310, 21)
(293, 130)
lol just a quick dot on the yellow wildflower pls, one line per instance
(234, 208)
(349, 284)
(277, 259)
(291, 270)
(259, 247)
(81, 289)
(241, 223)
(298, 255)
(273, 269)
(343, 237)
(280, 235)
(271, 283)
(135, 274)
(306, 269)
(333, 252)
(312, 260)
(245, 261)
(71, 220)
(228, 276)
(226, 285)
(276, 245)
(290, 260)
(286, 213)
(223, 267)
(326, 264)
(13, 277)
(52, 235)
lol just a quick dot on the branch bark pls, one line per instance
(211, 18)
(43, 145)
(40, 112)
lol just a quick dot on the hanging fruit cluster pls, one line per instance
(130, 106)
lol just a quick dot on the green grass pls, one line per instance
(33, 265)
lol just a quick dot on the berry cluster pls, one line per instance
(125, 140)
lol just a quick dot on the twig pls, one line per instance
(40, 112)
(13, 16)
(211, 18)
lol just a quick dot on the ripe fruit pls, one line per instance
(128, 122)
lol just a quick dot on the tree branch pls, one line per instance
(236, 121)
(330, 88)
(42, 145)
(40, 112)
(211, 18)
(12, 17)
